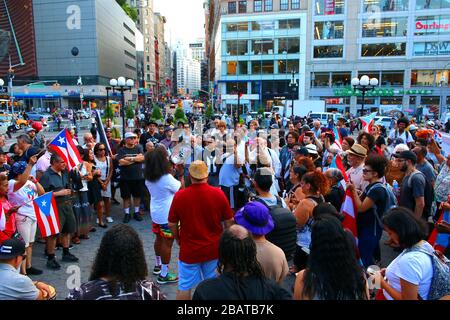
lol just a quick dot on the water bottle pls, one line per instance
(395, 187)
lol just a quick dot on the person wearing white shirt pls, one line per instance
(356, 155)
(401, 132)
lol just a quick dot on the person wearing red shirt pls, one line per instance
(7, 230)
(199, 210)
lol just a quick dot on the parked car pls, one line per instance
(383, 121)
(83, 114)
(35, 116)
(7, 119)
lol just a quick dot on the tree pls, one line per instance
(109, 112)
(209, 112)
(261, 110)
(157, 114)
(179, 115)
(129, 113)
(130, 11)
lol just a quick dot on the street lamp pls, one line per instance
(122, 85)
(364, 85)
(294, 85)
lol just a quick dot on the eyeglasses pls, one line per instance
(366, 170)
(101, 149)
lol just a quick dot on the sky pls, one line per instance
(185, 19)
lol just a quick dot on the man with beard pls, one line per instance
(412, 193)
(151, 135)
(286, 157)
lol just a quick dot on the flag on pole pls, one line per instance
(2, 218)
(368, 121)
(337, 164)
(440, 241)
(337, 137)
(47, 214)
(101, 134)
(64, 146)
(349, 211)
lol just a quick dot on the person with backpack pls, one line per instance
(416, 192)
(372, 205)
(283, 234)
(410, 275)
(401, 133)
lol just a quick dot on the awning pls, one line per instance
(36, 95)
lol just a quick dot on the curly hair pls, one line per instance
(332, 272)
(239, 254)
(120, 257)
(377, 163)
(157, 164)
(308, 163)
(369, 137)
(350, 141)
(318, 182)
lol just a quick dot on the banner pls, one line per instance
(329, 7)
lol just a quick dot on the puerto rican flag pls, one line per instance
(440, 241)
(2, 218)
(349, 211)
(63, 145)
(368, 121)
(337, 164)
(47, 214)
(338, 137)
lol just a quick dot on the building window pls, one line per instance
(232, 7)
(288, 45)
(148, 59)
(231, 68)
(263, 25)
(321, 52)
(287, 66)
(436, 48)
(386, 5)
(148, 68)
(237, 26)
(392, 78)
(320, 79)
(235, 87)
(268, 5)
(262, 46)
(435, 4)
(429, 25)
(340, 79)
(391, 101)
(284, 5)
(242, 6)
(328, 30)
(386, 27)
(423, 78)
(243, 67)
(289, 24)
(383, 49)
(236, 47)
(257, 5)
(442, 75)
(295, 4)
(329, 7)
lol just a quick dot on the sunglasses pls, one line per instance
(101, 149)
(366, 170)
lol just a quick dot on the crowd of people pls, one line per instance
(242, 203)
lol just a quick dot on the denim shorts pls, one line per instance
(191, 275)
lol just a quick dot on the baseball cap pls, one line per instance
(255, 217)
(107, 129)
(312, 148)
(130, 135)
(407, 155)
(302, 151)
(30, 129)
(11, 248)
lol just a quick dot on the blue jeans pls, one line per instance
(367, 243)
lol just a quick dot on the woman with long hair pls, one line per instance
(380, 142)
(95, 194)
(330, 250)
(296, 194)
(119, 271)
(162, 187)
(314, 186)
(367, 141)
(104, 163)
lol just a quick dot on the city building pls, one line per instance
(160, 53)
(257, 45)
(188, 79)
(198, 50)
(404, 44)
(74, 53)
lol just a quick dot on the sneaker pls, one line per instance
(33, 271)
(157, 270)
(138, 217)
(127, 218)
(59, 246)
(69, 258)
(53, 264)
(109, 220)
(169, 278)
(97, 221)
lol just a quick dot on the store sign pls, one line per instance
(329, 7)
(438, 48)
(334, 101)
(424, 25)
(379, 92)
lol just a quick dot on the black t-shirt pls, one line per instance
(133, 171)
(225, 287)
(367, 218)
(147, 137)
(336, 196)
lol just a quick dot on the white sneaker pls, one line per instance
(97, 221)
(109, 220)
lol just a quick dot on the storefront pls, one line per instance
(37, 100)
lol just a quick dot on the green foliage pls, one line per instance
(109, 112)
(261, 110)
(130, 11)
(129, 114)
(157, 114)
(179, 115)
(209, 112)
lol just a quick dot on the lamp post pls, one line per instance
(122, 85)
(293, 84)
(364, 85)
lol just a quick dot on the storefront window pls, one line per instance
(289, 24)
(391, 101)
(386, 27)
(367, 101)
(392, 78)
(231, 7)
(383, 49)
(263, 25)
(328, 30)
(328, 52)
(295, 4)
(442, 77)
(237, 26)
(340, 79)
(284, 5)
(412, 100)
(432, 4)
(437, 48)
(385, 5)
(257, 5)
(427, 25)
(329, 7)
(424, 78)
(370, 74)
(231, 68)
(288, 45)
(428, 101)
(262, 46)
(235, 87)
(320, 79)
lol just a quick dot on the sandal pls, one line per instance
(76, 240)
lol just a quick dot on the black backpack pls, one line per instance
(428, 194)
(284, 234)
